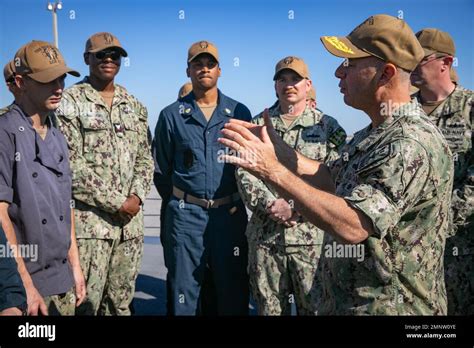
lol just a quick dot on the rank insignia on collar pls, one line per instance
(227, 111)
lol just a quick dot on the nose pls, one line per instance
(340, 71)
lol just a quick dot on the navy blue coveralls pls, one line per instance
(205, 248)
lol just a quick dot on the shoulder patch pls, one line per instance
(338, 138)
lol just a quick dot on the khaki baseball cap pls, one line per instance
(41, 61)
(100, 41)
(311, 94)
(292, 63)
(454, 75)
(436, 41)
(201, 47)
(9, 70)
(185, 89)
(382, 36)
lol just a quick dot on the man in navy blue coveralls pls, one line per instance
(203, 235)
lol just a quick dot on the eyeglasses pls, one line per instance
(114, 55)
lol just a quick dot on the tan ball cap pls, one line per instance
(41, 61)
(436, 41)
(201, 47)
(311, 94)
(9, 70)
(292, 63)
(185, 89)
(100, 41)
(383, 36)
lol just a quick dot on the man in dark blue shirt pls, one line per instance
(35, 185)
(203, 235)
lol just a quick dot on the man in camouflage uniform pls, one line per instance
(388, 194)
(106, 130)
(9, 75)
(311, 98)
(283, 257)
(450, 107)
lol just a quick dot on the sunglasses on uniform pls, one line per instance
(101, 55)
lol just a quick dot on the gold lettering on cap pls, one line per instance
(49, 52)
(108, 38)
(341, 46)
(203, 44)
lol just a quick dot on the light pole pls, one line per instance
(54, 7)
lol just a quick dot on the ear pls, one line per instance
(447, 63)
(187, 72)
(219, 71)
(86, 58)
(20, 82)
(388, 72)
(309, 84)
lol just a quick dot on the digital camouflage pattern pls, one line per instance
(112, 268)
(110, 159)
(62, 304)
(276, 264)
(400, 175)
(455, 118)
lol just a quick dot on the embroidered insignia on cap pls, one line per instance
(341, 46)
(203, 44)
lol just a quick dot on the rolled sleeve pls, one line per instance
(7, 154)
(391, 181)
(375, 204)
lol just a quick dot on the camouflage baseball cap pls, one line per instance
(201, 47)
(382, 36)
(292, 63)
(9, 71)
(311, 94)
(41, 61)
(436, 41)
(185, 89)
(101, 41)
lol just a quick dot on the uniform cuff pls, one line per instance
(383, 213)
(6, 193)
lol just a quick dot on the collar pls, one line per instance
(224, 110)
(94, 96)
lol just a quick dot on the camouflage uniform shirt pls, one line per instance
(313, 134)
(400, 175)
(110, 158)
(455, 118)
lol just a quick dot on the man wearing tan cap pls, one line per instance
(311, 98)
(205, 245)
(450, 107)
(9, 75)
(185, 90)
(106, 130)
(284, 250)
(384, 203)
(35, 185)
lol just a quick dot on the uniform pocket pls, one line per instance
(96, 134)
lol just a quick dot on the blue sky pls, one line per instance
(254, 33)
